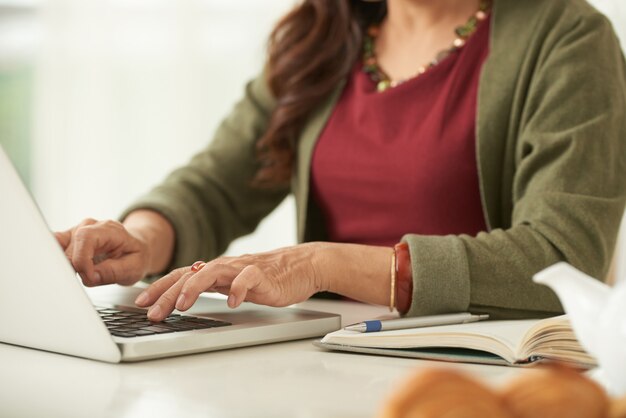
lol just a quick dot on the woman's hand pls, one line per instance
(276, 278)
(105, 252)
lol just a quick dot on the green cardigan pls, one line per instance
(551, 131)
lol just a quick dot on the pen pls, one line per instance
(417, 322)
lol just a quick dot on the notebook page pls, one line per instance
(499, 337)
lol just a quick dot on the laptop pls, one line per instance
(43, 304)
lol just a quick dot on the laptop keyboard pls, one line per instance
(127, 323)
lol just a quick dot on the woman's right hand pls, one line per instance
(105, 252)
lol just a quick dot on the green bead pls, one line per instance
(383, 85)
(442, 55)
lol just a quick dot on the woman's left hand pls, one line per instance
(277, 278)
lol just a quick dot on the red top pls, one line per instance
(403, 161)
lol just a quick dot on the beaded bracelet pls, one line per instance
(403, 285)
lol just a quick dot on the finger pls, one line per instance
(94, 243)
(64, 238)
(125, 270)
(224, 290)
(165, 304)
(69, 249)
(83, 251)
(210, 276)
(250, 278)
(156, 289)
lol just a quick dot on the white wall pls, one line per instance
(129, 89)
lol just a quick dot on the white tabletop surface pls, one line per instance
(292, 379)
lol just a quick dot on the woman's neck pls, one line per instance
(414, 31)
(408, 15)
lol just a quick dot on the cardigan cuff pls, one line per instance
(441, 279)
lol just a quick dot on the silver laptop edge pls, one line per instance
(43, 305)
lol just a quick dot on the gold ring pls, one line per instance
(197, 266)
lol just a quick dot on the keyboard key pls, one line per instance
(122, 334)
(142, 332)
(131, 314)
(123, 329)
(137, 325)
(119, 323)
(158, 330)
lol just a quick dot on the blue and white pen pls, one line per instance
(415, 322)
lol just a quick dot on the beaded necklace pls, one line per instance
(383, 81)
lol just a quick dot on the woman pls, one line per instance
(491, 151)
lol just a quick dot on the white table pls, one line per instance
(293, 379)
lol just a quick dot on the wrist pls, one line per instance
(155, 235)
(319, 255)
(142, 239)
(360, 272)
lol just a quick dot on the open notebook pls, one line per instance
(514, 343)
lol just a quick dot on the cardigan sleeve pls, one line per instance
(210, 201)
(568, 189)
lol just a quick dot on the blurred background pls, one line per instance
(99, 99)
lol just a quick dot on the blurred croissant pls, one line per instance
(618, 408)
(550, 392)
(444, 394)
(555, 392)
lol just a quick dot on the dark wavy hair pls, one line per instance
(310, 51)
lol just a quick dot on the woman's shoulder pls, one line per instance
(540, 26)
(551, 16)
(569, 9)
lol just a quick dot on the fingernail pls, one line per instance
(180, 302)
(231, 300)
(97, 278)
(154, 312)
(142, 299)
